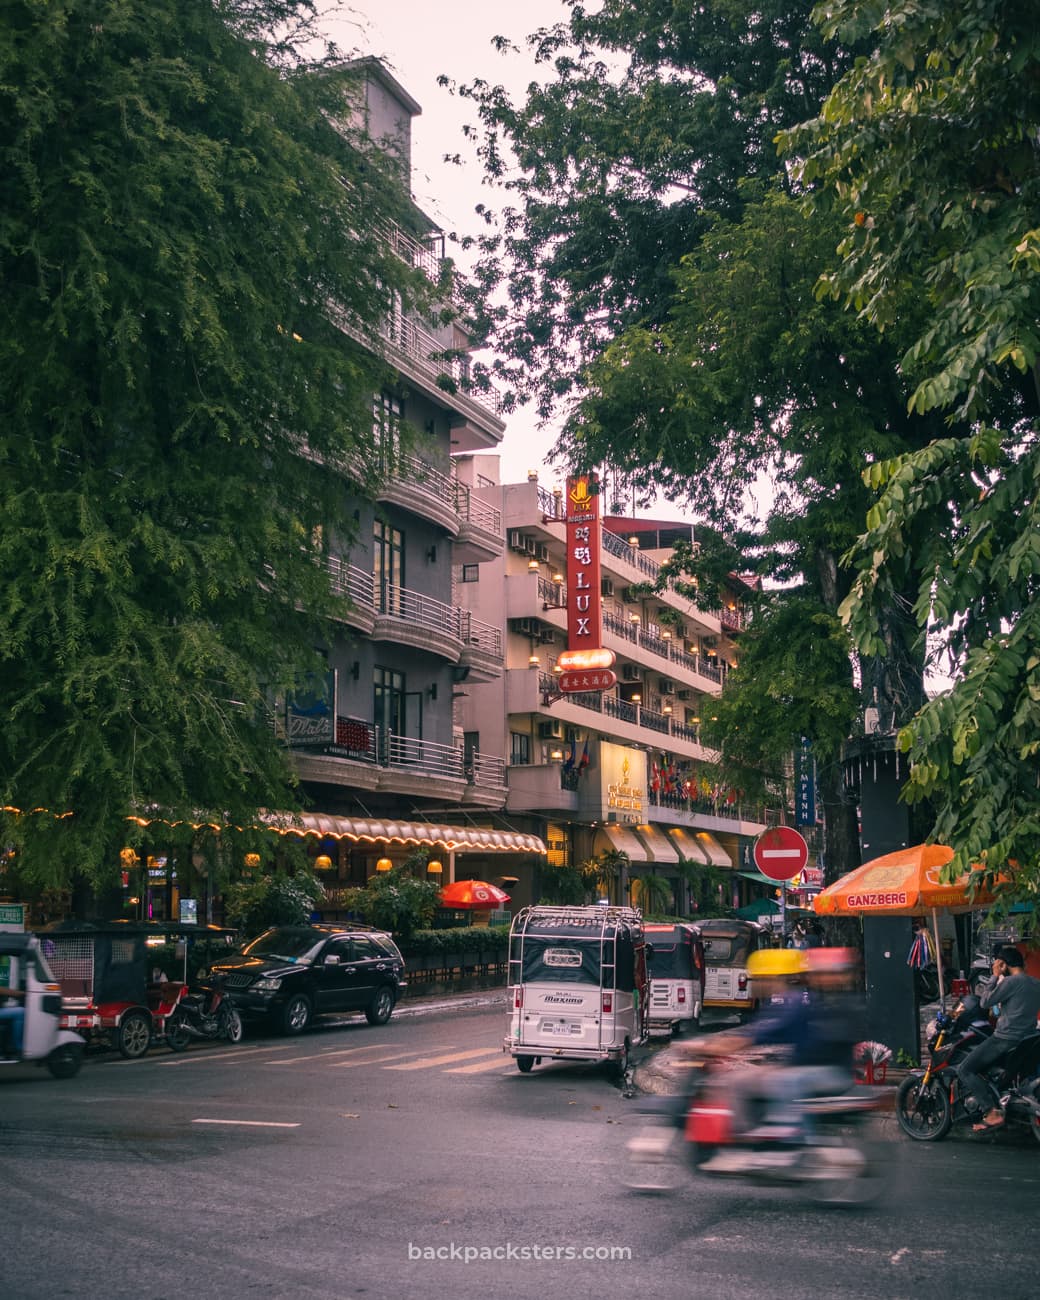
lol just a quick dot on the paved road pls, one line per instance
(342, 1162)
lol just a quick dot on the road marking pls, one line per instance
(326, 1053)
(194, 1057)
(428, 1061)
(247, 1123)
(481, 1067)
(370, 1060)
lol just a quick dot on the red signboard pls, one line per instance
(584, 613)
(781, 852)
(596, 679)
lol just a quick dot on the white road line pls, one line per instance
(193, 1058)
(481, 1067)
(370, 1060)
(247, 1123)
(428, 1061)
(325, 1054)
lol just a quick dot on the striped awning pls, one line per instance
(699, 846)
(368, 830)
(624, 841)
(659, 846)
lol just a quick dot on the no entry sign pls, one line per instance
(781, 852)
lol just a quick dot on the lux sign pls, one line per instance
(583, 547)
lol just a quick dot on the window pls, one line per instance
(364, 949)
(470, 573)
(389, 700)
(387, 413)
(387, 566)
(519, 748)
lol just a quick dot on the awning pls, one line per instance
(365, 830)
(717, 855)
(759, 879)
(658, 846)
(688, 846)
(622, 839)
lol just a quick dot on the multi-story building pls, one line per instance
(621, 769)
(379, 753)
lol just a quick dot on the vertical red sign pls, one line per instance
(584, 612)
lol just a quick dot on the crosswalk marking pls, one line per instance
(325, 1054)
(193, 1058)
(370, 1060)
(427, 1061)
(482, 1067)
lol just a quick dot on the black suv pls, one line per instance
(294, 972)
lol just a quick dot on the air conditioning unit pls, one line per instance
(530, 546)
(542, 552)
(525, 626)
(685, 693)
(547, 636)
(667, 686)
(606, 587)
(631, 673)
(516, 539)
(550, 731)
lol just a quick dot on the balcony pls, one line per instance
(371, 758)
(481, 648)
(411, 618)
(480, 529)
(357, 587)
(416, 485)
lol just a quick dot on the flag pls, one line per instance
(669, 779)
(584, 762)
(655, 777)
(572, 757)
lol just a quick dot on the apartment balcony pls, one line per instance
(357, 587)
(415, 485)
(369, 758)
(481, 648)
(479, 536)
(531, 691)
(536, 787)
(408, 617)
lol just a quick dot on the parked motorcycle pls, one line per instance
(208, 1014)
(930, 1101)
(836, 1161)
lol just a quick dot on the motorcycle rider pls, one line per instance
(1018, 996)
(814, 1015)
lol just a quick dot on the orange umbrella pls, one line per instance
(473, 893)
(903, 883)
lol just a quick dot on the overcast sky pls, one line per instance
(419, 42)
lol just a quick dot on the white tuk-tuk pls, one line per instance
(36, 1036)
(677, 979)
(577, 985)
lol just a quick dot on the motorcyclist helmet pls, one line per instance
(776, 963)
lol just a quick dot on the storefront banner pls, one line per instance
(615, 788)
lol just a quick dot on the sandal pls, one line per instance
(988, 1125)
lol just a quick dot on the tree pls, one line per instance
(927, 150)
(663, 276)
(189, 246)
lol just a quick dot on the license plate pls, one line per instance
(550, 1027)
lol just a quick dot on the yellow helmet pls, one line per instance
(774, 963)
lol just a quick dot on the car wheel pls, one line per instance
(525, 1064)
(64, 1061)
(296, 1015)
(177, 1036)
(134, 1035)
(382, 1007)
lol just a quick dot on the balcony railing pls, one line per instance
(485, 636)
(613, 706)
(419, 609)
(436, 362)
(708, 806)
(350, 581)
(553, 594)
(478, 512)
(365, 743)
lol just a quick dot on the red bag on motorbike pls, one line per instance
(709, 1124)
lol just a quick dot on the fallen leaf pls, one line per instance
(597, 1108)
(390, 1106)
(349, 1114)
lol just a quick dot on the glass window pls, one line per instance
(470, 573)
(519, 748)
(364, 949)
(389, 700)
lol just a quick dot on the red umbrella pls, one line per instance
(477, 894)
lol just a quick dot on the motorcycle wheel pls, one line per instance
(134, 1035)
(653, 1158)
(64, 1061)
(231, 1025)
(923, 1112)
(177, 1036)
(850, 1172)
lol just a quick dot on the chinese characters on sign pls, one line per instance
(599, 680)
(583, 561)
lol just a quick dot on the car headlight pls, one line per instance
(267, 986)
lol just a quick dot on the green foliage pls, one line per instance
(396, 901)
(654, 893)
(926, 151)
(568, 886)
(255, 905)
(177, 214)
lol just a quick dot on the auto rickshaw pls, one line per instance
(35, 991)
(116, 988)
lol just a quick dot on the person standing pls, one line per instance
(1018, 996)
